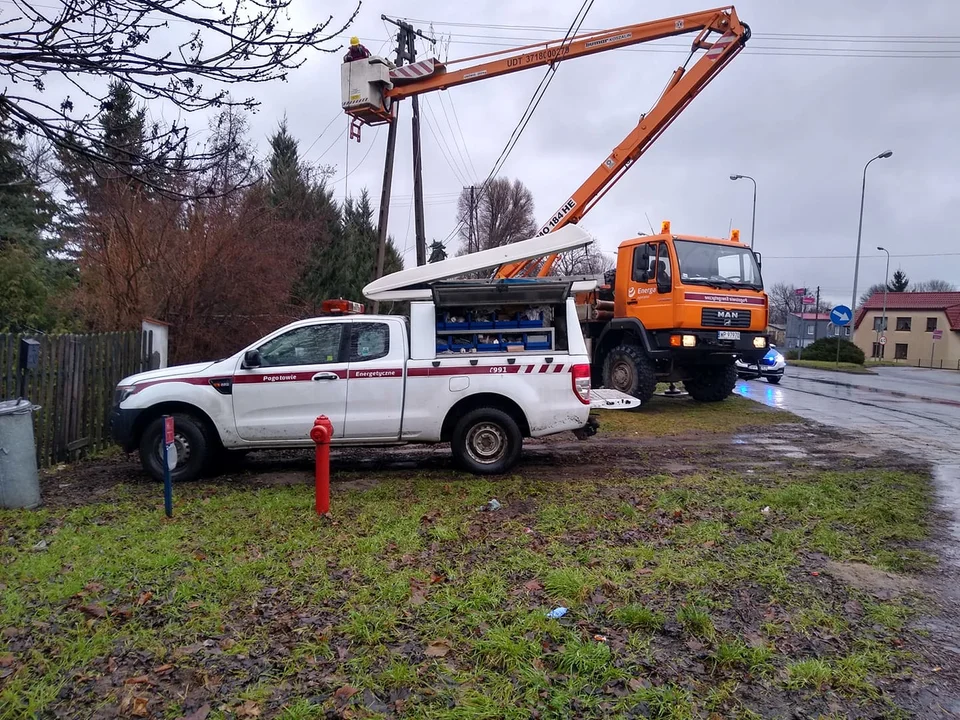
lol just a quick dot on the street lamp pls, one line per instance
(863, 191)
(753, 222)
(883, 316)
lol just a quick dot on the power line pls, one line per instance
(322, 132)
(453, 132)
(442, 143)
(466, 148)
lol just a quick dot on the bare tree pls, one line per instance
(870, 291)
(502, 214)
(182, 51)
(783, 301)
(583, 261)
(934, 286)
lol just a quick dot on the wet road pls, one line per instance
(909, 410)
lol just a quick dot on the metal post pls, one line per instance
(753, 221)
(838, 352)
(863, 192)
(883, 315)
(471, 242)
(933, 345)
(385, 200)
(168, 460)
(816, 321)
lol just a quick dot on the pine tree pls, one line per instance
(899, 282)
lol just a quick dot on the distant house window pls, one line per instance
(878, 323)
(846, 331)
(900, 352)
(811, 329)
(877, 351)
(903, 324)
(931, 324)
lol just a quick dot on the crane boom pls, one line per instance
(431, 75)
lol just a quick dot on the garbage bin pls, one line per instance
(19, 481)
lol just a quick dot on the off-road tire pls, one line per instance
(486, 441)
(712, 383)
(193, 448)
(774, 379)
(626, 368)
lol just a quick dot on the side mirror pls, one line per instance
(759, 260)
(252, 359)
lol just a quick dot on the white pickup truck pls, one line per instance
(479, 365)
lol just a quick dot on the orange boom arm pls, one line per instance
(720, 35)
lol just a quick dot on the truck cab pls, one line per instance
(684, 308)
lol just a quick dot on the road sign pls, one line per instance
(841, 315)
(809, 300)
(937, 334)
(800, 291)
(883, 339)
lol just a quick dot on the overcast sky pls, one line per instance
(800, 112)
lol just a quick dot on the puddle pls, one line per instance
(947, 480)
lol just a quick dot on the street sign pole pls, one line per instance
(840, 316)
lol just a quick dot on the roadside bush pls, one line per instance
(826, 349)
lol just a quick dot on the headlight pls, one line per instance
(778, 358)
(122, 393)
(759, 342)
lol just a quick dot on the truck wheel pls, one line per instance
(628, 370)
(190, 439)
(712, 384)
(486, 441)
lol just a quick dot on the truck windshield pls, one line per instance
(716, 265)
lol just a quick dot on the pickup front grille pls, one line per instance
(712, 317)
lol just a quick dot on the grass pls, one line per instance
(681, 416)
(409, 593)
(844, 367)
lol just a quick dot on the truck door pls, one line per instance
(375, 394)
(302, 374)
(651, 273)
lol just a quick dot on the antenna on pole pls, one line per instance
(652, 231)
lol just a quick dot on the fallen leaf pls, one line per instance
(695, 645)
(438, 648)
(10, 632)
(139, 707)
(94, 610)
(537, 663)
(418, 593)
(139, 680)
(199, 714)
(815, 573)
(112, 665)
(200, 555)
(124, 611)
(93, 587)
(435, 578)
(709, 543)
(6, 659)
(163, 669)
(248, 709)
(144, 598)
(638, 684)
(346, 692)
(644, 571)
(533, 585)
(193, 605)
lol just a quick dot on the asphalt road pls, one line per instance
(910, 410)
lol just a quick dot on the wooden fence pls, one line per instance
(73, 386)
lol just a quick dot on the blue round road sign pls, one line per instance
(841, 315)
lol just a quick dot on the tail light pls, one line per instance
(580, 378)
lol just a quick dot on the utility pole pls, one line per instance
(471, 246)
(406, 51)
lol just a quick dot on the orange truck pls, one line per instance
(677, 308)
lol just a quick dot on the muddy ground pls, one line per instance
(931, 689)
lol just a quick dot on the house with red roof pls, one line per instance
(918, 325)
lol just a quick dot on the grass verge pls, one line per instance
(664, 416)
(844, 367)
(685, 595)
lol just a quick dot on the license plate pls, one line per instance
(728, 334)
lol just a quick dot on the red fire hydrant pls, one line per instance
(320, 433)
